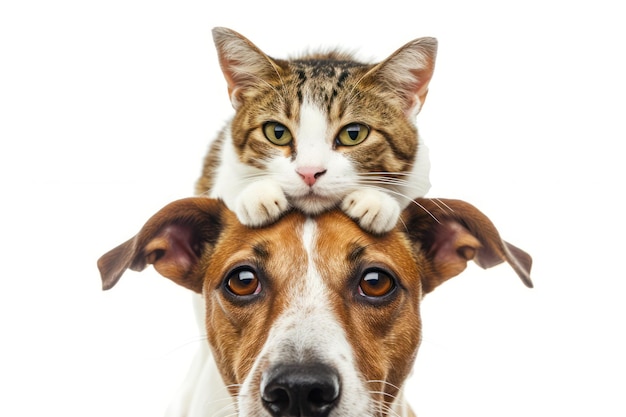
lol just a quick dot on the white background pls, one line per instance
(107, 108)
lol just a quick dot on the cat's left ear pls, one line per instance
(243, 63)
(408, 72)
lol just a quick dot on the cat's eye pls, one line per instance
(352, 134)
(243, 282)
(376, 284)
(277, 133)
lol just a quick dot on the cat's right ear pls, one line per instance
(173, 240)
(243, 64)
(408, 72)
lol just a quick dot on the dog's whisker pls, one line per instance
(384, 409)
(233, 414)
(385, 383)
(200, 338)
(384, 404)
(230, 405)
(384, 394)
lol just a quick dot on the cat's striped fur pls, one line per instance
(317, 100)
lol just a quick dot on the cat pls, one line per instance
(320, 131)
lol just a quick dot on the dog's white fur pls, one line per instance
(309, 270)
(203, 393)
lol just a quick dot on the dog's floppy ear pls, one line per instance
(173, 240)
(453, 232)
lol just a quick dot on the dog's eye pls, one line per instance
(243, 282)
(376, 284)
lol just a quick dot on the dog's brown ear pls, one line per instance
(453, 232)
(173, 240)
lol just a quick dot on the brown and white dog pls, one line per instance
(309, 316)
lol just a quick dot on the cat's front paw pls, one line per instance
(261, 203)
(374, 210)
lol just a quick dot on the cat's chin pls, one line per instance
(314, 203)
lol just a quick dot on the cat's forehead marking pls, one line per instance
(320, 80)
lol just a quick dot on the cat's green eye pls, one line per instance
(277, 133)
(352, 134)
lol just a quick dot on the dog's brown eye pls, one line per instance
(376, 284)
(277, 133)
(243, 282)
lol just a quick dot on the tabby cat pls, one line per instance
(320, 131)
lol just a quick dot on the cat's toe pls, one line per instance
(380, 222)
(262, 205)
(375, 211)
(261, 214)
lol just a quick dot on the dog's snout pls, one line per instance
(300, 390)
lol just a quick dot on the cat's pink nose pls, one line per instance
(310, 174)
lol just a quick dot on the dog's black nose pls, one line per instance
(310, 390)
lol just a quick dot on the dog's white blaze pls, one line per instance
(309, 330)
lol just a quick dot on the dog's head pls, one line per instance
(313, 316)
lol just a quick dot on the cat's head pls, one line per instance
(325, 124)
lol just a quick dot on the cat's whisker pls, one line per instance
(252, 176)
(392, 175)
(388, 181)
(439, 203)
(411, 200)
(382, 180)
(387, 174)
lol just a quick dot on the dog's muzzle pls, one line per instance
(310, 390)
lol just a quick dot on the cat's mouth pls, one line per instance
(313, 202)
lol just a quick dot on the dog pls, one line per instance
(309, 316)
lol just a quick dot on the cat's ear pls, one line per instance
(453, 232)
(173, 240)
(408, 72)
(244, 65)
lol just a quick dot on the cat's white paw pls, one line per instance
(374, 210)
(261, 203)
